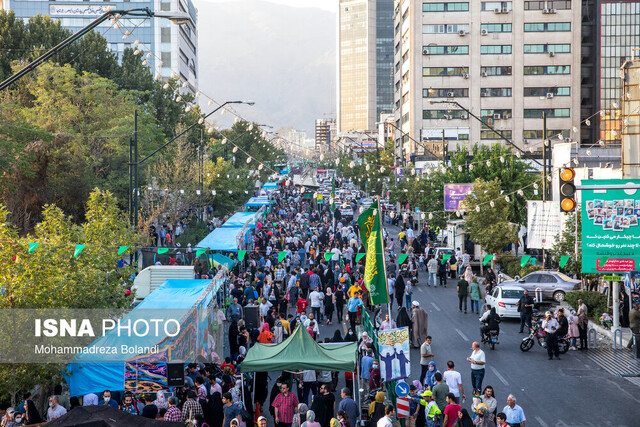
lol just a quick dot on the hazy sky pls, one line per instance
(329, 5)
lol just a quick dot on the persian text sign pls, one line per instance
(454, 195)
(610, 231)
(90, 11)
(544, 224)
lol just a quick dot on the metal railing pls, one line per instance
(592, 343)
(617, 338)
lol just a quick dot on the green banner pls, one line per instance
(445, 258)
(327, 256)
(610, 230)
(282, 255)
(375, 275)
(33, 246)
(564, 260)
(122, 249)
(241, 255)
(201, 251)
(359, 257)
(524, 260)
(402, 258)
(162, 251)
(79, 249)
(486, 259)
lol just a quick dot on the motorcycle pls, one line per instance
(490, 338)
(538, 334)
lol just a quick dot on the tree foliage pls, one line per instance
(565, 244)
(487, 225)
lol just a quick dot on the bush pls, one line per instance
(195, 232)
(595, 301)
(510, 265)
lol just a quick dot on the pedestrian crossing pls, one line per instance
(617, 362)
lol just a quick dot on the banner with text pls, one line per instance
(454, 195)
(544, 224)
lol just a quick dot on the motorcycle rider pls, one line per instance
(491, 322)
(550, 326)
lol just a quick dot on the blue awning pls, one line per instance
(222, 239)
(219, 259)
(258, 202)
(239, 219)
(270, 185)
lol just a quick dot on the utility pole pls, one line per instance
(545, 142)
(136, 193)
(444, 150)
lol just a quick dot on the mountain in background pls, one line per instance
(281, 57)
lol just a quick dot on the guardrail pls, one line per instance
(617, 339)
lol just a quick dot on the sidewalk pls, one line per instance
(608, 333)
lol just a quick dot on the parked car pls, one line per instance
(444, 251)
(553, 284)
(504, 298)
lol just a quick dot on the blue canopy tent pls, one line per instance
(271, 185)
(257, 202)
(175, 299)
(223, 239)
(219, 260)
(240, 219)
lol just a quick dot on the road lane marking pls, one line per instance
(500, 377)
(542, 423)
(464, 337)
(435, 306)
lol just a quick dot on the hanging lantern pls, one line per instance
(248, 159)
(492, 204)
(235, 149)
(507, 199)
(224, 141)
(488, 163)
(200, 121)
(260, 166)
(210, 130)
(520, 193)
(430, 216)
(459, 168)
(178, 99)
(478, 208)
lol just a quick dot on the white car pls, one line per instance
(504, 298)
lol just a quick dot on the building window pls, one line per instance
(497, 49)
(444, 114)
(445, 28)
(541, 5)
(445, 7)
(165, 35)
(165, 6)
(537, 134)
(546, 27)
(495, 91)
(543, 91)
(496, 28)
(505, 113)
(547, 70)
(491, 6)
(444, 71)
(495, 71)
(536, 113)
(445, 50)
(547, 48)
(489, 134)
(445, 93)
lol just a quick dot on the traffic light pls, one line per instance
(567, 190)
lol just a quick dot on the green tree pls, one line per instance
(565, 244)
(13, 41)
(488, 225)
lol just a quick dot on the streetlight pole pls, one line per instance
(135, 162)
(176, 17)
(508, 141)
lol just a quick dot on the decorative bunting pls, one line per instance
(282, 255)
(564, 260)
(201, 251)
(524, 260)
(486, 259)
(328, 255)
(162, 251)
(79, 248)
(241, 255)
(402, 258)
(122, 249)
(33, 246)
(359, 257)
(445, 258)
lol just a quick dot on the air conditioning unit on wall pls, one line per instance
(484, 32)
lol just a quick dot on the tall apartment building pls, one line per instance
(610, 33)
(505, 61)
(365, 63)
(325, 134)
(172, 45)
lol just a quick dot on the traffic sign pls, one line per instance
(402, 389)
(402, 406)
(612, 278)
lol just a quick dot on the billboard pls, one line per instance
(610, 231)
(454, 195)
(544, 224)
(394, 350)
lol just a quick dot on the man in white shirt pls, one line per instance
(264, 308)
(55, 410)
(453, 379)
(550, 326)
(478, 361)
(315, 301)
(308, 321)
(432, 268)
(386, 421)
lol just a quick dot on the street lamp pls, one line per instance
(508, 141)
(177, 18)
(134, 162)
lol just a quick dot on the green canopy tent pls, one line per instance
(301, 352)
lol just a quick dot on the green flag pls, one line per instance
(122, 249)
(359, 257)
(445, 258)
(282, 255)
(200, 251)
(486, 259)
(79, 248)
(163, 250)
(524, 260)
(375, 275)
(327, 256)
(241, 255)
(33, 246)
(564, 260)
(402, 258)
